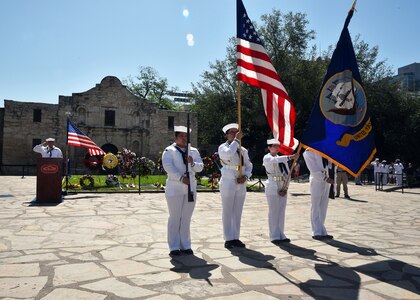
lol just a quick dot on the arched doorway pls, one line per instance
(110, 148)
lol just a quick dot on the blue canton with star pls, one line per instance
(245, 29)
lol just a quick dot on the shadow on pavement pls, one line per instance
(337, 282)
(350, 248)
(196, 267)
(301, 252)
(396, 273)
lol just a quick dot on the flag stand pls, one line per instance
(67, 158)
(286, 184)
(239, 128)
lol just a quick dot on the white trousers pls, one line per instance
(398, 178)
(233, 198)
(319, 206)
(180, 213)
(276, 216)
(384, 178)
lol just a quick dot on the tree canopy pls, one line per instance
(394, 113)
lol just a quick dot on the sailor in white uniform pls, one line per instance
(384, 169)
(232, 185)
(277, 170)
(48, 150)
(174, 162)
(319, 185)
(398, 169)
(376, 170)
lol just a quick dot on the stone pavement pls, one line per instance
(113, 246)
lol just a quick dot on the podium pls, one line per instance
(48, 180)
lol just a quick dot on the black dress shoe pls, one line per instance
(328, 237)
(175, 253)
(187, 251)
(286, 240)
(318, 237)
(238, 243)
(229, 245)
(337, 196)
(347, 196)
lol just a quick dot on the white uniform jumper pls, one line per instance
(376, 169)
(232, 193)
(398, 169)
(384, 169)
(277, 170)
(176, 193)
(53, 152)
(319, 187)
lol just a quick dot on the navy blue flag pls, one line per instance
(340, 127)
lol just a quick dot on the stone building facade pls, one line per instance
(109, 114)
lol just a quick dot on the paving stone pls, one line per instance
(121, 252)
(75, 273)
(129, 267)
(118, 288)
(19, 270)
(253, 295)
(285, 289)
(199, 288)
(120, 243)
(24, 287)
(154, 278)
(258, 277)
(393, 291)
(64, 293)
(30, 258)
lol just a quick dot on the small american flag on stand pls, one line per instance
(255, 68)
(77, 138)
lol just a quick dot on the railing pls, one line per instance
(396, 181)
(22, 170)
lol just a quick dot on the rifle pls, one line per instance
(331, 174)
(188, 165)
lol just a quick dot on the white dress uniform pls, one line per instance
(376, 169)
(384, 169)
(398, 169)
(176, 193)
(277, 170)
(319, 191)
(232, 193)
(53, 152)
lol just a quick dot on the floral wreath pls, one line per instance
(110, 161)
(86, 182)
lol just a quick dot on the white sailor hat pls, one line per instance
(273, 142)
(230, 126)
(181, 129)
(50, 140)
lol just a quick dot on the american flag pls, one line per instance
(77, 138)
(255, 68)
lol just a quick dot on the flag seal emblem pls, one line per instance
(343, 100)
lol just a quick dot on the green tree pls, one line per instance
(394, 113)
(150, 86)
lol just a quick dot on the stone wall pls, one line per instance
(139, 125)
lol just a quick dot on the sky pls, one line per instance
(55, 47)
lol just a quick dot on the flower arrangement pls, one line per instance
(146, 166)
(87, 182)
(111, 180)
(212, 170)
(127, 162)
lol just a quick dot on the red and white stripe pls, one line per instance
(255, 68)
(78, 140)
